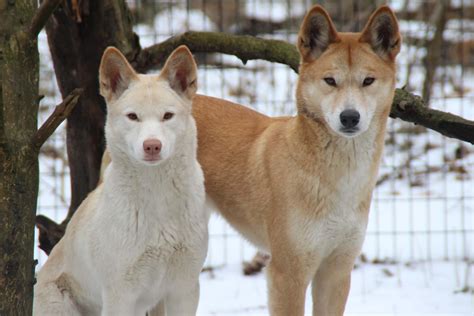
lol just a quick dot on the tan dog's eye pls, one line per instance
(168, 116)
(132, 116)
(368, 81)
(330, 81)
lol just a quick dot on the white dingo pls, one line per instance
(141, 237)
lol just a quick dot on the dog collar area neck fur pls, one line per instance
(305, 112)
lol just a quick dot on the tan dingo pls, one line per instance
(300, 187)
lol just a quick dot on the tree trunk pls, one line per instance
(434, 48)
(76, 48)
(18, 159)
(77, 37)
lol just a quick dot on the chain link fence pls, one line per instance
(423, 206)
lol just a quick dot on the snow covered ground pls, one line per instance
(389, 290)
(422, 217)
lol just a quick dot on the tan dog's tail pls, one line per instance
(103, 165)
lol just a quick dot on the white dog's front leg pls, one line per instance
(183, 301)
(117, 310)
(114, 305)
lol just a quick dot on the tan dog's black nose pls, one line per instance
(152, 146)
(349, 118)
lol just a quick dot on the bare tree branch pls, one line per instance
(242, 46)
(60, 113)
(41, 17)
(406, 106)
(411, 108)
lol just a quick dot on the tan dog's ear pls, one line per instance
(180, 71)
(382, 33)
(115, 74)
(317, 32)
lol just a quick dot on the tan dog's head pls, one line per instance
(148, 116)
(347, 79)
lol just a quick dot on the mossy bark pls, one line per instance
(18, 158)
(411, 108)
(242, 46)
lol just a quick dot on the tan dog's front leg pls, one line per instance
(330, 288)
(287, 286)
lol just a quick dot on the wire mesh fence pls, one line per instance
(423, 206)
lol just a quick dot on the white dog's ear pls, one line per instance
(180, 71)
(382, 33)
(115, 74)
(316, 33)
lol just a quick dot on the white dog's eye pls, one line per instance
(168, 116)
(132, 116)
(330, 81)
(368, 81)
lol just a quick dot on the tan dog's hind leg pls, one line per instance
(330, 287)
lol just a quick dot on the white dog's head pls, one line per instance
(148, 116)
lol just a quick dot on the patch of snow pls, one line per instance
(389, 290)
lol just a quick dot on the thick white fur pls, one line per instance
(141, 237)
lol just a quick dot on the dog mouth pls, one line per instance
(349, 131)
(152, 160)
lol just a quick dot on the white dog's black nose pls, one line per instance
(349, 118)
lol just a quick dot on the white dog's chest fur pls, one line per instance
(159, 237)
(145, 238)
